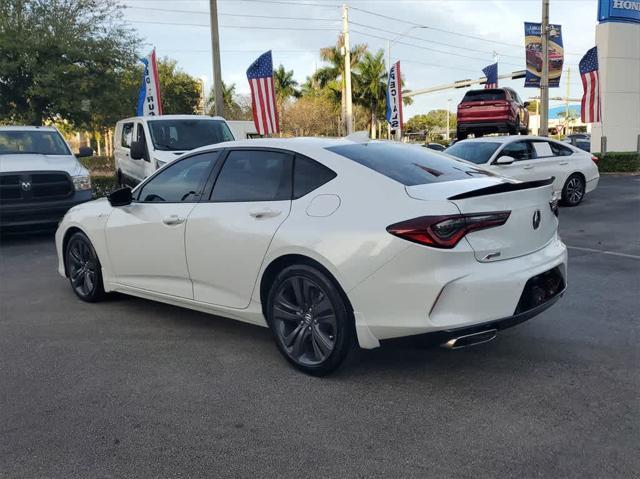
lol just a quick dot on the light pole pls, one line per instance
(215, 52)
(544, 78)
(448, 123)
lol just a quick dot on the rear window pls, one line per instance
(477, 152)
(484, 95)
(406, 164)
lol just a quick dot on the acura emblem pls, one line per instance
(25, 185)
(536, 219)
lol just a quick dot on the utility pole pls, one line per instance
(566, 103)
(448, 121)
(544, 79)
(347, 69)
(215, 52)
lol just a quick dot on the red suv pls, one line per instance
(494, 110)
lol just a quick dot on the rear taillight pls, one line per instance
(594, 158)
(446, 231)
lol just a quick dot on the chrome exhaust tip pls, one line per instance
(471, 339)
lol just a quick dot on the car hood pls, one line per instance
(37, 162)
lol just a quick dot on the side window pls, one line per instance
(560, 150)
(181, 182)
(127, 134)
(309, 175)
(542, 149)
(141, 138)
(519, 150)
(254, 175)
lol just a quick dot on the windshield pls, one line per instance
(409, 165)
(43, 142)
(477, 152)
(182, 135)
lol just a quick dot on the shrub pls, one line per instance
(619, 162)
(103, 185)
(98, 164)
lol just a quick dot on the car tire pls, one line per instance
(574, 190)
(310, 318)
(83, 268)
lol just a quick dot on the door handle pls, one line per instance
(563, 163)
(527, 167)
(173, 220)
(264, 213)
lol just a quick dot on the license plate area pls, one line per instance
(540, 289)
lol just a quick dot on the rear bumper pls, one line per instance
(41, 213)
(592, 184)
(493, 125)
(422, 292)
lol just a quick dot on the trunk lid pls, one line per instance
(531, 224)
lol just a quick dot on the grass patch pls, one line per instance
(619, 162)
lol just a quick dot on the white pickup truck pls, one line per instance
(40, 179)
(145, 143)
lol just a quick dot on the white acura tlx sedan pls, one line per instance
(327, 242)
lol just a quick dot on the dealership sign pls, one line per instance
(619, 11)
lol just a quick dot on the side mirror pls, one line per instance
(137, 150)
(505, 160)
(121, 197)
(85, 151)
(526, 104)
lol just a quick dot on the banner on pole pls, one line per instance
(149, 102)
(533, 47)
(394, 98)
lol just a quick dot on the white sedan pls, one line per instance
(327, 242)
(534, 158)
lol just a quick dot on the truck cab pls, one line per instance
(145, 143)
(40, 179)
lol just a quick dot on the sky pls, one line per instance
(458, 41)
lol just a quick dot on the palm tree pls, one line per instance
(285, 87)
(371, 85)
(228, 97)
(335, 70)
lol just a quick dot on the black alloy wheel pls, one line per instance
(573, 191)
(83, 268)
(310, 320)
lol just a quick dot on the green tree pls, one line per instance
(332, 75)
(179, 91)
(434, 123)
(371, 86)
(286, 87)
(236, 107)
(61, 59)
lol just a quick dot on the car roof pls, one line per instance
(172, 117)
(28, 128)
(295, 144)
(505, 139)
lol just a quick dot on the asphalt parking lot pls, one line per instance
(133, 388)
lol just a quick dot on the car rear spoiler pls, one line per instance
(503, 188)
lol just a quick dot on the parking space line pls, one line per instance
(613, 253)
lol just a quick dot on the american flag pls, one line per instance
(491, 72)
(263, 98)
(590, 106)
